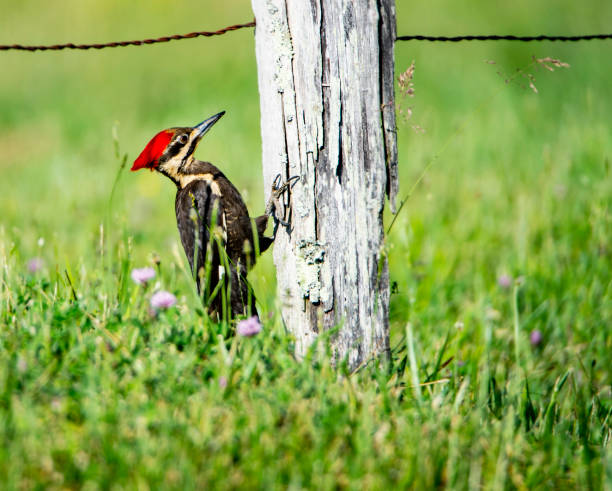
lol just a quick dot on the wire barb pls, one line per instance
(121, 44)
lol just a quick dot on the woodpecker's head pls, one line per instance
(171, 149)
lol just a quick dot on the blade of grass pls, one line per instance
(414, 372)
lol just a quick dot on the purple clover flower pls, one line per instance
(162, 300)
(504, 281)
(223, 381)
(35, 265)
(249, 327)
(535, 338)
(143, 275)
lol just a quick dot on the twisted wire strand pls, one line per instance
(121, 44)
(235, 27)
(509, 37)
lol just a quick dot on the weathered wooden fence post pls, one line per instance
(326, 75)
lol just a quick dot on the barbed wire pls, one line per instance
(510, 37)
(121, 44)
(235, 27)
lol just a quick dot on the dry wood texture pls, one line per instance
(326, 73)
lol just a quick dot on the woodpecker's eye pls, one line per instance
(184, 138)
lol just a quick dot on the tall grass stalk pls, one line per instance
(516, 324)
(414, 371)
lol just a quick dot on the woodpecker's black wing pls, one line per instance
(240, 226)
(198, 210)
(238, 233)
(202, 214)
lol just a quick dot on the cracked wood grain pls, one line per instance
(325, 70)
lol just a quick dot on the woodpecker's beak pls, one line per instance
(201, 129)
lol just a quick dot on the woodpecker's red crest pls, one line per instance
(149, 157)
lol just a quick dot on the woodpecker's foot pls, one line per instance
(275, 205)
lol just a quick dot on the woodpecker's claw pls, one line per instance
(274, 203)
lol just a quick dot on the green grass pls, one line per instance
(97, 392)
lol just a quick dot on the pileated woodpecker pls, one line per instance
(213, 221)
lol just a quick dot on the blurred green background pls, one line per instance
(58, 110)
(517, 185)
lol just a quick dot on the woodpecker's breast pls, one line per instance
(186, 179)
(233, 214)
